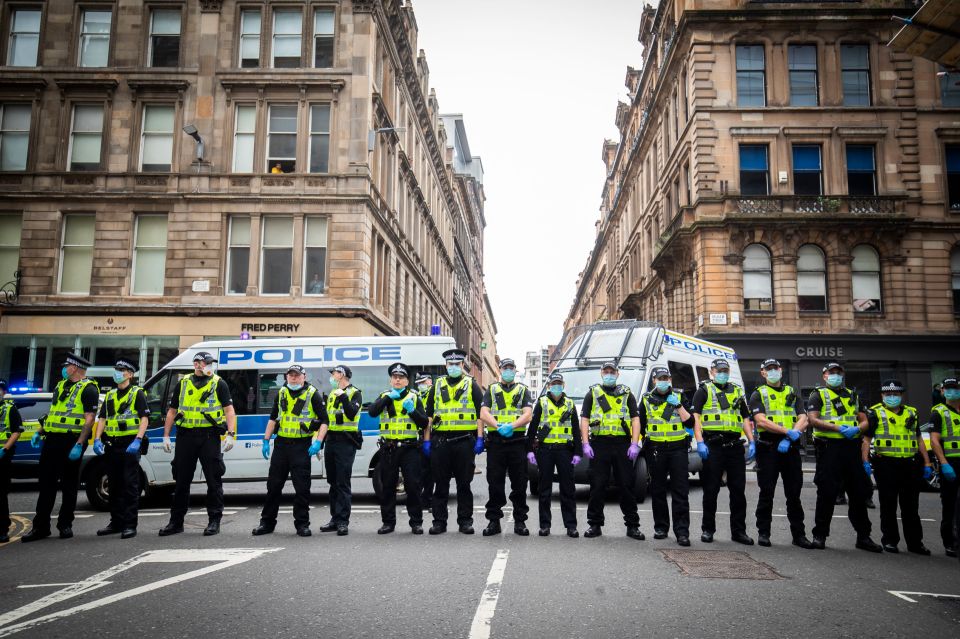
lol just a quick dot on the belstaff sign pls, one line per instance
(269, 328)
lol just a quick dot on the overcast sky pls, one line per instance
(537, 82)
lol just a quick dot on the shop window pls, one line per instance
(238, 257)
(866, 280)
(76, 254)
(811, 279)
(276, 255)
(757, 279)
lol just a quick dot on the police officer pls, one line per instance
(898, 450)
(453, 439)
(780, 421)
(720, 417)
(554, 445)
(203, 410)
(666, 425)
(610, 422)
(341, 439)
(838, 422)
(506, 410)
(298, 410)
(122, 425)
(11, 425)
(401, 419)
(945, 441)
(64, 434)
(424, 383)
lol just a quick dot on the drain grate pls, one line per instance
(718, 564)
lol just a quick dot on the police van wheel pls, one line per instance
(641, 480)
(95, 482)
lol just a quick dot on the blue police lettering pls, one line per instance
(272, 356)
(308, 355)
(389, 353)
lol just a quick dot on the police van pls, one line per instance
(637, 347)
(254, 371)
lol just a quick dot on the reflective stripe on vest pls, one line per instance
(66, 415)
(658, 428)
(612, 422)
(296, 425)
(558, 432)
(949, 430)
(717, 419)
(511, 400)
(829, 413)
(776, 407)
(197, 402)
(893, 438)
(127, 422)
(5, 407)
(399, 425)
(459, 413)
(339, 422)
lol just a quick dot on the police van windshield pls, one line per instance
(578, 382)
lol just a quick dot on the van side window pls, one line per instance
(683, 378)
(242, 384)
(160, 392)
(267, 390)
(703, 375)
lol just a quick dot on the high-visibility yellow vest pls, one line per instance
(506, 405)
(395, 422)
(714, 417)
(893, 437)
(66, 411)
(556, 420)
(122, 418)
(197, 402)
(847, 416)
(612, 422)
(779, 405)
(296, 415)
(5, 406)
(949, 430)
(659, 427)
(453, 406)
(339, 422)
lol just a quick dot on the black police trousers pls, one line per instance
(452, 459)
(193, 445)
(338, 457)
(898, 481)
(559, 458)
(840, 465)
(771, 465)
(507, 460)
(56, 470)
(950, 500)
(663, 460)
(610, 453)
(426, 482)
(725, 456)
(5, 463)
(393, 461)
(123, 477)
(289, 458)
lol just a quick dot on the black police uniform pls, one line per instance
(555, 458)
(507, 457)
(772, 464)
(668, 459)
(610, 453)
(898, 480)
(339, 452)
(290, 459)
(16, 426)
(203, 445)
(949, 492)
(123, 469)
(726, 455)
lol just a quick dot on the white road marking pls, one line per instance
(902, 594)
(72, 583)
(480, 628)
(224, 558)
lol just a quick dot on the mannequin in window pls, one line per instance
(316, 285)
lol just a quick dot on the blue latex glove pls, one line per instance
(794, 435)
(868, 469)
(784, 445)
(426, 448)
(689, 432)
(532, 458)
(927, 473)
(3, 451)
(478, 447)
(265, 451)
(97, 447)
(703, 451)
(673, 399)
(36, 440)
(395, 394)
(948, 473)
(633, 452)
(409, 405)
(134, 447)
(75, 452)
(751, 451)
(576, 460)
(849, 431)
(505, 430)
(315, 447)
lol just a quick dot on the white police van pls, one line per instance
(254, 371)
(637, 347)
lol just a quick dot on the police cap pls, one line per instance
(126, 365)
(398, 368)
(454, 355)
(951, 382)
(832, 365)
(343, 369)
(720, 364)
(507, 362)
(296, 368)
(660, 371)
(555, 377)
(204, 357)
(891, 386)
(77, 360)
(769, 363)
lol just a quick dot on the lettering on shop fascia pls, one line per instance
(109, 327)
(270, 328)
(819, 351)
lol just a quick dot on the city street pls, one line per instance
(366, 585)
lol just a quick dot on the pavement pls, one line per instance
(453, 585)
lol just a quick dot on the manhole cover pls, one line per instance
(719, 564)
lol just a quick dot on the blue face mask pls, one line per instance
(774, 376)
(834, 380)
(556, 391)
(454, 371)
(663, 387)
(508, 375)
(63, 371)
(423, 388)
(722, 378)
(951, 394)
(892, 401)
(333, 383)
(294, 387)
(118, 377)
(609, 380)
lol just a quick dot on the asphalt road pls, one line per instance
(400, 585)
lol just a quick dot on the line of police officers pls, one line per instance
(449, 422)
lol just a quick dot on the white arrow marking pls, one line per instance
(902, 594)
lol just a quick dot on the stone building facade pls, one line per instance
(322, 201)
(786, 184)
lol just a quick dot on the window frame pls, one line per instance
(944, 80)
(78, 47)
(299, 9)
(9, 34)
(237, 132)
(12, 247)
(62, 253)
(135, 250)
(879, 274)
(769, 272)
(795, 171)
(815, 72)
(229, 256)
(328, 133)
(29, 132)
(868, 70)
(241, 10)
(143, 133)
(762, 71)
(823, 275)
(152, 9)
(72, 132)
(846, 157)
(948, 200)
(326, 251)
(333, 36)
(263, 246)
(740, 171)
(296, 137)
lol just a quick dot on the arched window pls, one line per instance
(866, 280)
(757, 279)
(811, 279)
(955, 278)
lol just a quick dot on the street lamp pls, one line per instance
(191, 130)
(372, 135)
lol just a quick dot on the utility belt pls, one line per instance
(557, 446)
(610, 439)
(122, 441)
(769, 439)
(655, 446)
(398, 443)
(820, 443)
(500, 440)
(352, 437)
(440, 438)
(220, 427)
(726, 440)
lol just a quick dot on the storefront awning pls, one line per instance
(933, 33)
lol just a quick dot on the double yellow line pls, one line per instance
(19, 527)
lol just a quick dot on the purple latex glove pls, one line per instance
(633, 452)
(588, 451)
(576, 459)
(532, 458)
